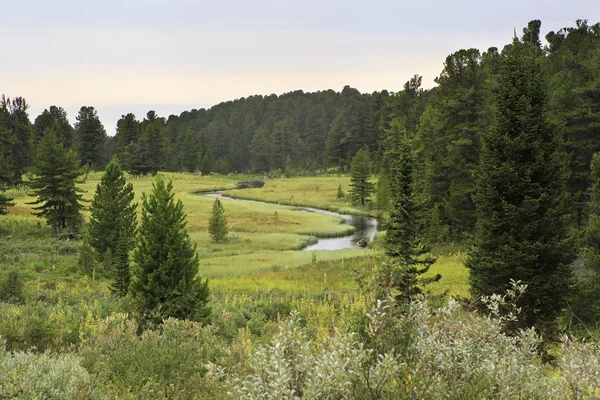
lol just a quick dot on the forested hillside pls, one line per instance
(305, 133)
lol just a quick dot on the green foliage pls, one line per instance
(54, 185)
(573, 63)
(89, 137)
(340, 192)
(523, 232)
(15, 137)
(436, 233)
(12, 287)
(113, 223)
(5, 202)
(293, 366)
(207, 164)
(164, 364)
(42, 376)
(383, 192)
(166, 282)
(53, 119)
(217, 223)
(410, 257)
(360, 172)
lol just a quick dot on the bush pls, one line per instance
(293, 366)
(169, 363)
(11, 287)
(42, 376)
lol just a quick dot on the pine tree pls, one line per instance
(89, 137)
(523, 230)
(5, 180)
(217, 223)
(54, 184)
(113, 222)
(410, 257)
(113, 213)
(383, 192)
(121, 270)
(166, 282)
(360, 173)
(17, 143)
(340, 192)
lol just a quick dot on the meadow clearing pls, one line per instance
(265, 239)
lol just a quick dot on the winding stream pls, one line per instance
(366, 227)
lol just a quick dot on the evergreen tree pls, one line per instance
(522, 232)
(54, 184)
(383, 192)
(217, 223)
(207, 164)
(410, 258)
(14, 121)
(360, 173)
(340, 192)
(128, 131)
(5, 181)
(166, 282)
(121, 270)
(113, 222)
(53, 118)
(89, 137)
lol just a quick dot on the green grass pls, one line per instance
(318, 192)
(263, 251)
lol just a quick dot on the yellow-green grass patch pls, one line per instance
(318, 192)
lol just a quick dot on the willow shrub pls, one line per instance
(431, 352)
(26, 375)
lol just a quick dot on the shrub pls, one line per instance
(42, 376)
(169, 362)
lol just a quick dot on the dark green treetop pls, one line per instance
(89, 137)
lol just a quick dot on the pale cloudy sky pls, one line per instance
(125, 56)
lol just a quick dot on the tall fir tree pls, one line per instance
(113, 222)
(404, 239)
(14, 121)
(217, 223)
(89, 137)
(523, 229)
(360, 173)
(58, 199)
(166, 282)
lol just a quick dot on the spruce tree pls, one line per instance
(113, 213)
(217, 223)
(54, 184)
(5, 180)
(410, 257)
(113, 222)
(89, 137)
(523, 230)
(166, 282)
(360, 173)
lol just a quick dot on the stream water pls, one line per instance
(366, 227)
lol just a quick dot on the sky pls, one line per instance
(170, 56)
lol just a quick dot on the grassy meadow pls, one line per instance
(265, 240)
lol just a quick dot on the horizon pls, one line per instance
(138, 56)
